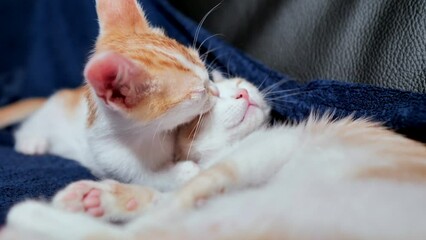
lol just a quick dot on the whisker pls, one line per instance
(163, 140)
(280, 92)
(197, 31)
(287, 95)
(264, 80)
(195, 133)
(272, 86)
(278, 95)
(282, 104)
(204, 56)
(216, 58)
(205, 40)
(210, 68)
(227, 66)
(194, 129)
(199, 123)
(280, 101)
(157, 128)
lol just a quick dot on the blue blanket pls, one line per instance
(46, 43)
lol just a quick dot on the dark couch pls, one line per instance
(379, 42)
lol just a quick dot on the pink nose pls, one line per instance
(243, 93)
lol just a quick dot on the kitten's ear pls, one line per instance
(117, 80)
(217, 76)
(121, 16)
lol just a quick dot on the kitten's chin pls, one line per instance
(251, 115)
(254, 118)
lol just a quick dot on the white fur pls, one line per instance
(57, 130)
(307, 189)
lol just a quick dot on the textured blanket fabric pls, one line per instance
(47, 42)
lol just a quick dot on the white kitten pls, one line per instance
(239, 109)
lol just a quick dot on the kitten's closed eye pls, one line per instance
(213, 90)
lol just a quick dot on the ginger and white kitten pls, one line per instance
(141, 85)
(320, 179)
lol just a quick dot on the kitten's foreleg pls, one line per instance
(32, 137)
(247, 164)
(172, 177)
(111, 200)
(252, 162)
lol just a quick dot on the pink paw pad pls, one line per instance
(96, 212)
(132, 204)
(92, 203)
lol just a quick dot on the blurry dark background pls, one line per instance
(40, 48)
(379, 42)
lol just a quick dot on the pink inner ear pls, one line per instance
(114, 79)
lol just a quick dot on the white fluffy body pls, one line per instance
(293, 182)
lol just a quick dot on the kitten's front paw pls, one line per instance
(108, 199)
(32, 146)
(81, 196)
(185, 171)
